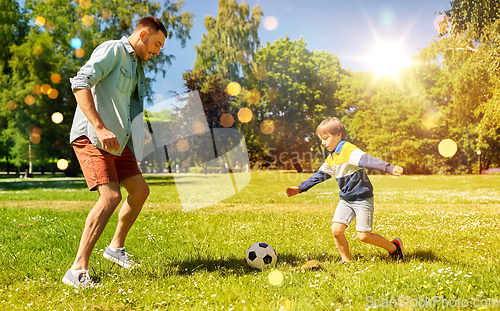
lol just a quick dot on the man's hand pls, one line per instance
(397, 171)
(86, 103)
(292, 191)
(108, 139)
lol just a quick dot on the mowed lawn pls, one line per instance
(450, 226)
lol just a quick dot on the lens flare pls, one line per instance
(253, 96)
(12, 105)
(245, 115)
(37, 50)
(182, 145)
(267, 127)
(199, 127)
(447, 148)
(35, 138)
(34, 130)
(53, 93)
(442, 23)
(106, 14)
(88, 20)
(76, 43)
(30, 154)
(45, 89)
(50, 26)
(260, 73)
(62, 164)
(244, 57)
(270, 23)
(275, 277)
(233, 88)
(430, 119)
(79, 53)
(55, 78)
(227, 120)
(40, 21)
(37, 90)
(29, 100)
(85, 4)
(285, 304)
(57, 117)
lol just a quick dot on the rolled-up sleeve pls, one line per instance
(101, 63)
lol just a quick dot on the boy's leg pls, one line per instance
(377, 240)
(98, 217)
(364, 213)
(138, 192)
(338, 231)
(343, 216)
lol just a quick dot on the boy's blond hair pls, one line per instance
(331, 125)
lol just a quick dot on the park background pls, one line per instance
(403, 77)
(415, 75)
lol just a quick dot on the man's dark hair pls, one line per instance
(153, 22)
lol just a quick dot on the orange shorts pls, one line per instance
(101, 167)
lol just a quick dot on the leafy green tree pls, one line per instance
(298, 90)
(13, 28)
(472, 16)
(472, 74)
(231, 40)
(47, 50)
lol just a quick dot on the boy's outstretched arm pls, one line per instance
(319, 176)
(292, 191)
(397, 171)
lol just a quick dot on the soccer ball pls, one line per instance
(261, 255)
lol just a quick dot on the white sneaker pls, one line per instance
(121, 257)
(81, 280)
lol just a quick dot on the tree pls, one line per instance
(298, 89)
(472, 74)
(473, 17)
(47, 49)
(231, 40)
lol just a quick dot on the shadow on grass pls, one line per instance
(163, 267)
(232, 266)
(417, 255)
(423, 256)
(43, 184)
(225, 266)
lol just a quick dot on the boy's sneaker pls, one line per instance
(121, 257)
(398, 253)
(80, 280)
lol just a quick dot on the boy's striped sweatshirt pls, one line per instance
(347, 164)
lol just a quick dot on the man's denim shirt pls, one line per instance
(112, 72)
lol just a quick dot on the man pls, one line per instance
(109, 91)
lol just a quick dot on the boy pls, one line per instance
(347, 163)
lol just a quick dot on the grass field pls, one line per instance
(196, 261)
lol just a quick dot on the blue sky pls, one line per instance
(347, 28)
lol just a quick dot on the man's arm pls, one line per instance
(85, 101)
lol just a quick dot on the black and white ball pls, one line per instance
(261, 255)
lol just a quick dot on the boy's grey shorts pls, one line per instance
(347, 210)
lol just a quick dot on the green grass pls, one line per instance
(196, 260)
